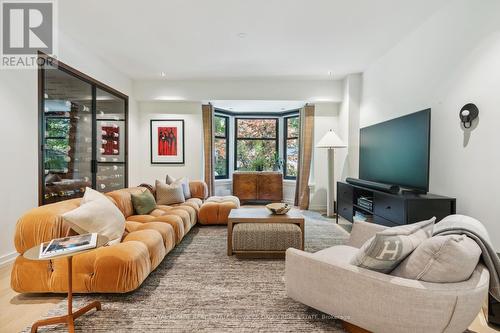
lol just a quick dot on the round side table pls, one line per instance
(69, 319)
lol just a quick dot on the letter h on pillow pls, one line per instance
(389, 247)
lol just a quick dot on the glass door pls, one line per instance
(110, 141)
(82, 134)
(67, 136)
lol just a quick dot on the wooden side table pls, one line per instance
(69, 319)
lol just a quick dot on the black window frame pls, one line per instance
(285, 143)
(276, 138)
(226, 138)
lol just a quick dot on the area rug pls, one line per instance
(198, 288)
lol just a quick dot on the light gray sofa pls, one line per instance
(379, 302)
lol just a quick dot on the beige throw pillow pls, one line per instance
(97, 214)
(182, 181)
(389, 247)
(442, 259)
(169, 194)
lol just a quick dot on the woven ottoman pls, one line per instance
(215, 210)
(265, 239)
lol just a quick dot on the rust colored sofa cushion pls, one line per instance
(215, 210)
(119, 268)
(112, 269)
(198, 189)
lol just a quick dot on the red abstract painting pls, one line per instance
(111, 140)
(167, 141)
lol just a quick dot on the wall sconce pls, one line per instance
(468, 113)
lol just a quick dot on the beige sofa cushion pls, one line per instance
(338, 254)
(443, 259)
(183, 181)
(389, 247)
(169, 194)
(97, 214)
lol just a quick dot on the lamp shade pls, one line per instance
(331, 140)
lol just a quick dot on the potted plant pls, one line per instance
(258, 163)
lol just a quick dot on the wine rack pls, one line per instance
(84, 134)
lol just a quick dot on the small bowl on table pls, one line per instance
(278, 208)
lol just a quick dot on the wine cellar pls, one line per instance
(83, 134)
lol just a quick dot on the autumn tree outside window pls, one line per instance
(256, 144)
(291, 147)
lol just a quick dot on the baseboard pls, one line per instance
(318, 208)
(8, 258)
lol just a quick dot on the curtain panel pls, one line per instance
(306, 117)
(208, 146)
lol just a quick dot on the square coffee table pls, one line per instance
(263, 216)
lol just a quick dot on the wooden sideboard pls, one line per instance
(258, 186)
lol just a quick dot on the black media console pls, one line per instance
(391, 209)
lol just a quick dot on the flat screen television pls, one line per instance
(397, 151)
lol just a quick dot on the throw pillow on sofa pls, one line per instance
(183, 181)
(97, 214)
(443, 259)
(143, 202)
(389, 247)
(169, 194)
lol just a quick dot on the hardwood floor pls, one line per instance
(21, 310)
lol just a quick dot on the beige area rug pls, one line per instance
(198, 288)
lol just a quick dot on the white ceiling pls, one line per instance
(198, 39)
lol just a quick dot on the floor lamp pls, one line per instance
(331, 141)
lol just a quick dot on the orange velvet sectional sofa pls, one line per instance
(112, 269)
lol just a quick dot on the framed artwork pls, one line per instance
(110, 141)
(167, 141)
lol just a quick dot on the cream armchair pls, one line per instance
(379, 302)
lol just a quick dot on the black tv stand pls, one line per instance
(392, 209)
(405, 191)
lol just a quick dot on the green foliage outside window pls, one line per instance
(220, 147)
(256, 144)
(292, 146)
(56, 144)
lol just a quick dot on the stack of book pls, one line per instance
(366, 203)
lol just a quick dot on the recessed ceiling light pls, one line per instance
(163, 74)
(241, 34)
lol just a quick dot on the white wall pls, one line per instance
(347, 160)
(143, 170)
(450, 60)
(326, 117)
(19, 133)
(283, 90)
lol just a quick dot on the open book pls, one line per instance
(66, 245)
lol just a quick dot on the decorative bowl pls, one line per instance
(278, 208)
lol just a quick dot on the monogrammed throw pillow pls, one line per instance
(384, 251)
